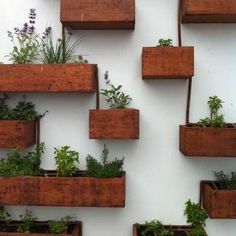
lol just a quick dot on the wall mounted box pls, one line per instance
(220, 204)
(114, 124)
(17, 133)
(209, 142)
(48, 78)
(167, 62)
(10, 229)
(78, 191)
(209, 11)
(98, 14)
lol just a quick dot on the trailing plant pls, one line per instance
(66, 160)
(22, 165)
(4, 215)
(27, 222)
(165, 43)
(215, 120)
(114, 96)
(5, 110)
(104, 168)
(226, 181)
(61, 226)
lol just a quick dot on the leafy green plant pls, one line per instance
(66, 160)
(61, 226)
(27, 222)
(165, 43)
(226, 181)
(4, 215)
(22, 165)
(104, 169)
(5, 110)
(215, 120)
(114, 96)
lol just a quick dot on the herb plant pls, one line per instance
(27, 222)
(59, 227)
(226, 181)
(165, 43)
(66, 160)
(104, 168)
(4, 215)
(114, 96)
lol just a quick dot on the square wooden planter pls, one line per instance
(209, 11)
(167, 62)
(219, 204)
(209, 142)
(114, 124)
(17, 133)
(98, 14)
(48, 78)
(39, 229)
(78, 191)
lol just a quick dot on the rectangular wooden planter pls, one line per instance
(10, 229)
(48, 78)
(63, 191)
(98, 14)
(114, 124)
(209, 11)
(17, 133)
(209, 142)
(167, 62)
(219, 204)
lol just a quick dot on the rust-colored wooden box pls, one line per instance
(10, 229)
(208, 11)
(209, 142)
(17, 133)
(219, 204)
(48, 78)
(78, 191)
(114, 124)
(167, 62)
(98, 14)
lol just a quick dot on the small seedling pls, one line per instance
(27, 222)
(165, 43)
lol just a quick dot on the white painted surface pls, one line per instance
(159, 178)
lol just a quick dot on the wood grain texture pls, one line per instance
(17, 133)
(219, 204)
(167, 62)
(209, 142)
(63, 191)
(114, 124)
(98, 14)
(209, 11)
(48, 78)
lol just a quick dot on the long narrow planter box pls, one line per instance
(48, 78)
(98, 14)
(38, 229)
(209, 11)
(114, 124)
(167, 62)
(220, 204)
(78, 191)
(209, 142)
(17, 133)
(179, 230)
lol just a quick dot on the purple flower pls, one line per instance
(32, 14)
(47, 32)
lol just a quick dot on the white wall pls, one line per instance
(159, 178)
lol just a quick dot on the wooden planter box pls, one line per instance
(167, 62)
(39, 229)
(209, 11)
(179, 230)
(209, 142)
(219, 204)
(17, 133)
(78, 191)
(98, 14)
(114, 124)
(48, 78)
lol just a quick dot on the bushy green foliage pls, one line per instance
(61, 226)
(27, 222)
(66, 160)
(226, 181)
(22, 165)
(104, 168)
(197, 231)
(4, 215)
(165, 43)
(114, 96)
(5, 110)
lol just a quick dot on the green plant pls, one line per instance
(19, 165)
(215, 120)
(5, 110)
(104, 169)
(197, 231)
(165, 43)
(66, 160)
(114, 97)
(4, 215)
(61, 226)
(226, 181)
(27, 222)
